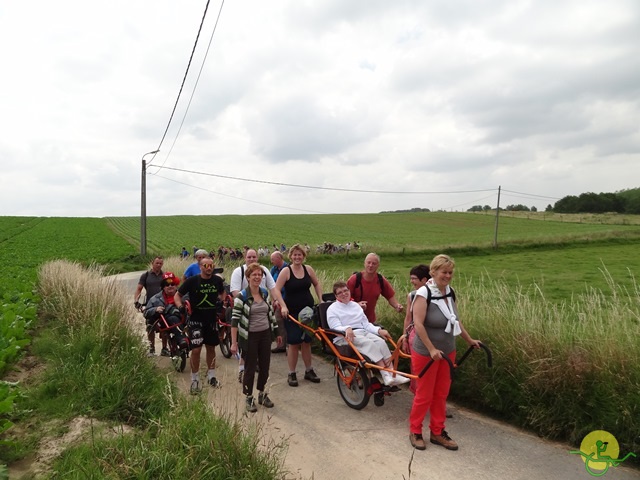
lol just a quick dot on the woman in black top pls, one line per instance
(297, 280)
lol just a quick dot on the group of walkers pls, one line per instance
(264, 299)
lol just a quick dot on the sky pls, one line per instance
(376, 105)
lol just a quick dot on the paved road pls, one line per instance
(329, 441)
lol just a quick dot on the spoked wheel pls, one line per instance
(225, 342)
(355, 395)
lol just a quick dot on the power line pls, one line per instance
(184, 79)
(315, 187)
(195, 86)
(239, 198)
(531, 194)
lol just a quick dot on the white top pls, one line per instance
(239, 279)
(342, 315)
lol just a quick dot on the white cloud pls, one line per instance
(539, 97)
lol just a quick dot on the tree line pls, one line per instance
(624, 201)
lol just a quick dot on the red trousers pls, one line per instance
(431, 395)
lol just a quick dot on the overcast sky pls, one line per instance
(539, 97)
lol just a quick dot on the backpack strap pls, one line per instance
(359, 283)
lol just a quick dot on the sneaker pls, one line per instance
(195, 388)
(311, 376)
(417, 441)
(264, 400)
(400, 380)
(387, 379)
(152, 352)
(240, 376)
(292, 379)
(444, 440)
(165, 352)
(213, 381)
(251, 405)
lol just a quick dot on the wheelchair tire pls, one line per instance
(355, 396)
(225, 342)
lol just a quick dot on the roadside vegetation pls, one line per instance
(96, 367)
(557, 302)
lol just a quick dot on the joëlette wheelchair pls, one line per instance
(357, 377)
(178, 340)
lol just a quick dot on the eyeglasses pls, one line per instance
(206, 265)
(343, 292)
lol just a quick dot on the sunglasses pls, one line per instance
(206, 265)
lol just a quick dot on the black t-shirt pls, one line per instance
(203, 296)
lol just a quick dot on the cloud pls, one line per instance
(537, 97)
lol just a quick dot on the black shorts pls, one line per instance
(202, 333)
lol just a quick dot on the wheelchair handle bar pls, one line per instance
(452, 368)
(471, 349)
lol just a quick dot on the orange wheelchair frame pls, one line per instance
(356, 375)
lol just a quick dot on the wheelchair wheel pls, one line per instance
(225, 342)
(356, 395)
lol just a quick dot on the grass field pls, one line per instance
(388, 232)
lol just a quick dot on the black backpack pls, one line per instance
(359, 283)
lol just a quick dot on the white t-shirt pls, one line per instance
(239, 279)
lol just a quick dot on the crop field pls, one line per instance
(384, 232)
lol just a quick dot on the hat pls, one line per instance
(168, 278)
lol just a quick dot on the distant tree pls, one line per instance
(534, 209)
(549, 208)
(475, 208)
(486, 208)
(631, 198)
(517, 208)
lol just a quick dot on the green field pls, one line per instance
(393, 231)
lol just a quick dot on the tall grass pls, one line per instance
(97, 367)
(563, 369)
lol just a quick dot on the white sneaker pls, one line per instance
(387, 378)
(400, 380)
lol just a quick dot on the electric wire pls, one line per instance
(195, 86)
(240, 198)
(184, 79)
(315, 187)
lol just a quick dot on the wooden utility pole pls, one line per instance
(495, 234)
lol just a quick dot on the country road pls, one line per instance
(329, 441)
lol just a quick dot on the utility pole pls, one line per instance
(495, 235)
(143, 206)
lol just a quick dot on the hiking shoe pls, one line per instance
(251, 405)
(165, 352)
(213, 381)
(264, 400)
(195, 388)
(444, 440)
(152, 352)
(240, 376)
(311, 376)
(417, 441)
(292, 379)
